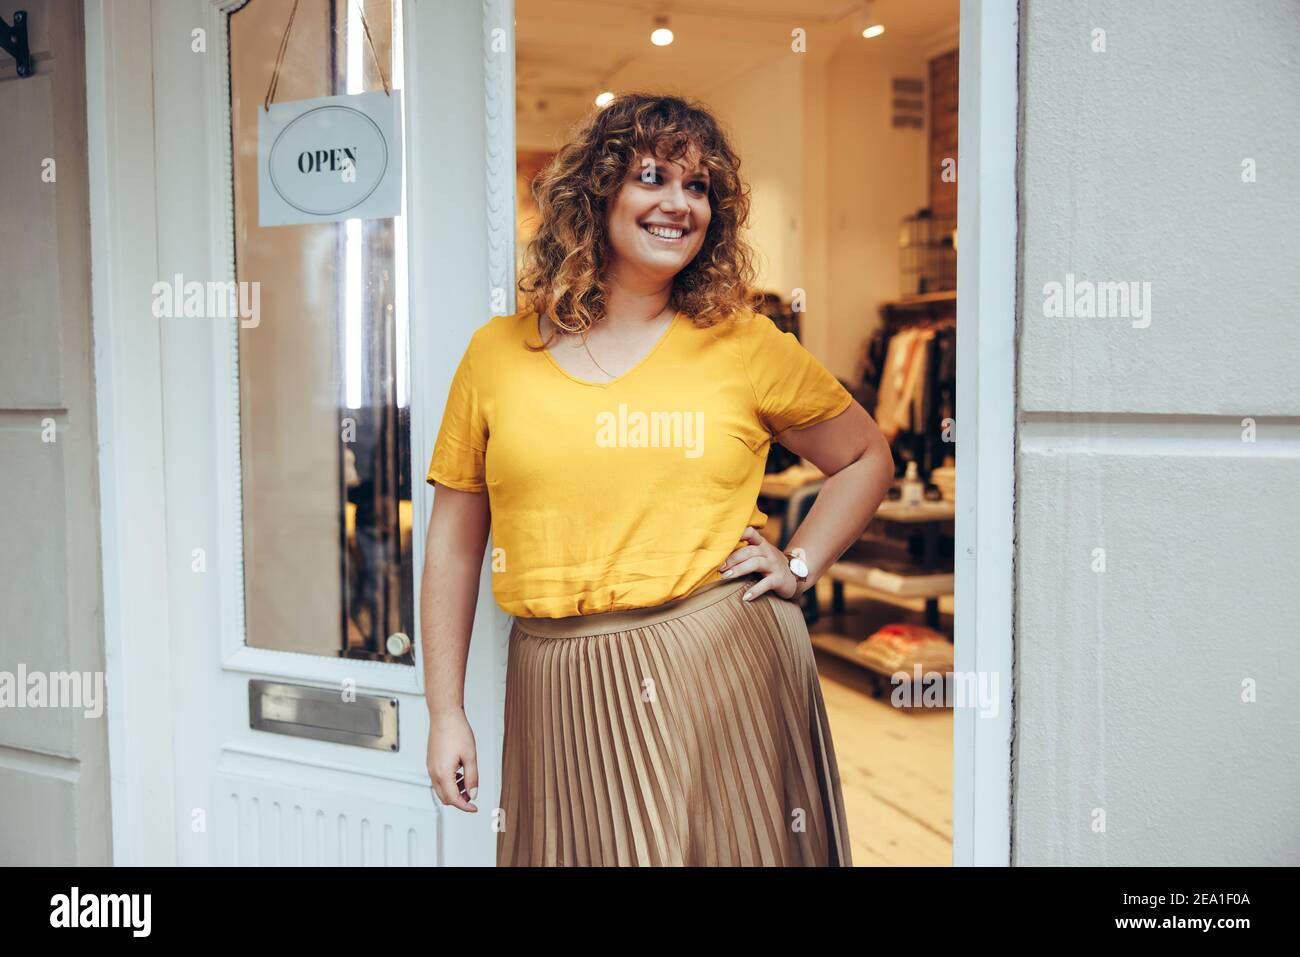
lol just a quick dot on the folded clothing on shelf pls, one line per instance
(901, 647)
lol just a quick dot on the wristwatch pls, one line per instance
(798, 566)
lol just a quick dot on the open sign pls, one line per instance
(329, 159)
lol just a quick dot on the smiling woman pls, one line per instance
(655, 645)
(670, 181)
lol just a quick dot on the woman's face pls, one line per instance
(658, 219)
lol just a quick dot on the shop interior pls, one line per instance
(845, 117)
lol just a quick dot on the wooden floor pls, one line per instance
(895, 766)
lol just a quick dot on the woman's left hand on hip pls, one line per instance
(763, 557)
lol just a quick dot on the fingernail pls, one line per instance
(472, 792)
(748, 595)
(727, 574)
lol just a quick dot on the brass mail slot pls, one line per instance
(369, 721)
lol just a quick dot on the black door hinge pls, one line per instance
(13, 40)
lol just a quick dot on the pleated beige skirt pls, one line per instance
(692, 733)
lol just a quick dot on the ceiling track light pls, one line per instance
(868, 24)
(661, 35)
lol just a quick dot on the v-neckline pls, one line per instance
(672, 324)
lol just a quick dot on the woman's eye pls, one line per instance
(653, 177)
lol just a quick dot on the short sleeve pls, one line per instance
(792, 389)
(459, 453)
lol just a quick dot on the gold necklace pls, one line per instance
(587, 348)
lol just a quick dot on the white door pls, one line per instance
(295, 438)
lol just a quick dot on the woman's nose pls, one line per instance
(673, 200)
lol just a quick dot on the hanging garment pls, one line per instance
(901, 403)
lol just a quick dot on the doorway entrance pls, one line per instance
(234, 596)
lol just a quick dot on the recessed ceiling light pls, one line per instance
(661, 36)
(603, 99)
(875, 30)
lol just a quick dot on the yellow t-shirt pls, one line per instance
(628, 493)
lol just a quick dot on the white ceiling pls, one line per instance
(569, 50)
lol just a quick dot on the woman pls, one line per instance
(662, 701)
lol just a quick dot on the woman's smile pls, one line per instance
(666, 232)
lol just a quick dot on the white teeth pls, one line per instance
(665, 232)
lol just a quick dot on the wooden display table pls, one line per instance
(927, 579)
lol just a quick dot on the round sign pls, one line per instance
(328, 160)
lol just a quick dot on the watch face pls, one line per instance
(799, 567)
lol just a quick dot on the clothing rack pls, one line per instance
(911, 410)
(927, 572)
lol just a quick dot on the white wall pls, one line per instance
(875, 175)
(54, 760)
(761, 109)
(1130, 681)
(832, 180)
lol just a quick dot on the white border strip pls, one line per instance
(986, 404)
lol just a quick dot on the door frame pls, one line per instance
(476, 137)
(128, 411)
(987, 309)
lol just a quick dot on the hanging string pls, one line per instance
(378, 66)
(279, 58)
(284, 44)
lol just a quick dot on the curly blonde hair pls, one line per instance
(563, 274)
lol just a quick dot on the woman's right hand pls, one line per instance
(451, 748)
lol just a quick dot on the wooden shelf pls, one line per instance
(895, 581)
(841, 646)
(781, 485)
(928, 299)
(848, 649)
(926, 511)
(939, 307)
